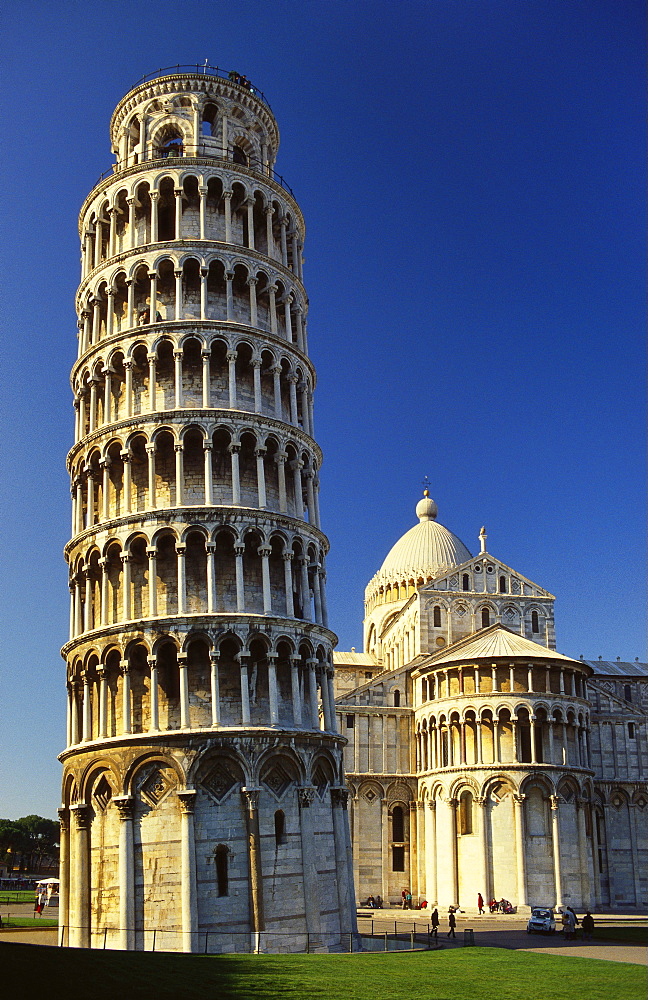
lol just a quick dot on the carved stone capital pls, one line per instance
(340, 797)
(306, 796)
(251, 796)
(187, 799)
(124, 805)
(81, 815)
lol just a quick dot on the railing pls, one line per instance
(269, 942)
(205, 70)
(203, 150)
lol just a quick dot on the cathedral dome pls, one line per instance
(426, 550)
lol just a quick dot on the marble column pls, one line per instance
(126, 873)
(251, 803)
(188, 888)
(520, 850)
(555, 844)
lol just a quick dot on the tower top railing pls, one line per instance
(205, 70)
(201, 151)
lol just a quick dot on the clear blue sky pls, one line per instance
(471, 173)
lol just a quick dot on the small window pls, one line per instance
(280, 827)
(396, 698)
(238, 156)
(631, 731)
(627, 692)
(368, 675)
(398, 859)
(535, 625)
(222, 879)
(485, 617)
(502, 585)
(437, 616)
(398, 827)
(424, 690)
(350, 721)
(465, 582)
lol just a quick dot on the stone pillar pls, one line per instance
(103, 702)
(555, 844)
(179, 472)
(296, 467)
(64, 876)
(229, 295)
(103, 562)
(188, 888)
(126, 457)
(256, 374)
(126, 873)
(126, 698)
(205, 355)
(326, 705)
(252, 283)
(209, 488)
(264, 552)
(239, 549)
(583, 862)
(259, 454)
(204, 292)
(312, 906)
(276, 375)
(520, 851)
(79, 936)
(211, 577)
(152, 581)
(343, 860)
(150, 456)
(178, 213)
(178, 305)
(185, 722)
(152, 360)
(154, 723)
(273, 695)
(295, 691)
(431, 853)
(245, 690)
(447, 851)
(227, 198)
(234, 449)
(287, 557)
(272, 292)
(126, 559)
(177, 372)
(280, 459)
(257, 916)
(312, 693)
(231, 362)
(305, 589)
(214, 657)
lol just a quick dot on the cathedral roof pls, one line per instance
(426, 550)
(495, 642)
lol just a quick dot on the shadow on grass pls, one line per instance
(464, 974)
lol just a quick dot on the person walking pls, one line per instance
(480, 903)
(452, 923)
(435, 923)
(587, 924)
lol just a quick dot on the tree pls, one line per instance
(29, 841)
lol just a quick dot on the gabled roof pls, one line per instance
(495, 642)
(353, 659)
(488, 557)
(618, 668)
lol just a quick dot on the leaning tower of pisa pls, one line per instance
(203, 804)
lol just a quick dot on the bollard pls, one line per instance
(412, 936)
(105, 936)
(386, 942)
(154, 933)
(469, 937)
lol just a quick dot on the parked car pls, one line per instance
(541, 921)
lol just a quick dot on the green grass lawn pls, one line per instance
(464, 974)
(8, 896)
(29, 922)
(624, 935)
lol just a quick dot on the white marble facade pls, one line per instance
(480, 759)
(204, 805)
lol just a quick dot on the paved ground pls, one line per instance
(502, 931)
(492, 931)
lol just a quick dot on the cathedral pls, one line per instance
(479, 758)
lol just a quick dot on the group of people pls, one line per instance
(240, 79)
(374, 902)
(570, 921)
